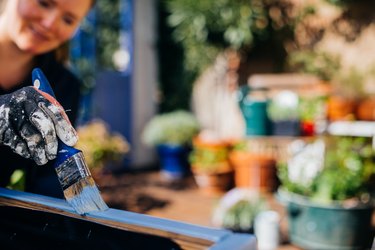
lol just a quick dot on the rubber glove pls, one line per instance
(30, 123)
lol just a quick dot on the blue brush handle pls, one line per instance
(64, 151)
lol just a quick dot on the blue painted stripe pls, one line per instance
(221, 239)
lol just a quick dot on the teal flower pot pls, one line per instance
(331, 226)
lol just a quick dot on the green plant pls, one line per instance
(205, 28)
(108, 28)
(321, 64)
(283, 106)
(338, 168)
(241, 145)
(176, 128)
(312, 108)
(17, 180)
(99, 146)
(194, 33)
(351, 82)
(237, 209)
(208, 159)
(97, 42)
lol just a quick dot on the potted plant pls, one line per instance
(366, 105)
(327, 187)
(237, 209)
(312, 114)
(283, 112)
(210, 165)
(348, 90)
(103, 150)
(172, 133)
(254, 164)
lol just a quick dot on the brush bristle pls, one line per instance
(84, 196)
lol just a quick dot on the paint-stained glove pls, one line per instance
(29, 122)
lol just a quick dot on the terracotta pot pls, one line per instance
(206, 144)
(366, 109)
(341, 108)
(214, 182)
(254, 171)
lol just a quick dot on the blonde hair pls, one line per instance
(2, 4)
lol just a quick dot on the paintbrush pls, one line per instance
(79, 187)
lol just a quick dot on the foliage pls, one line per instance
(176, 127)
(346, 2)
(321, 64)
(283, 106)
(282, 113)
(237, 209)
(290, 106)
(174, 83)
(241, 145)
(108, 31)
(99, 146)
(204, 28)
(210, 159)
(312, 108)
(355, 81)
(96, 41)
(17, 180)
(82, 53)
(351, 82)
(343, 170)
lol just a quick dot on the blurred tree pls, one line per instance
(175, 82)
(93, 47)
(201, 30)
(107, 32)
(96, 41)
(204, 28)
(265, 32)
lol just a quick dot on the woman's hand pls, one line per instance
(30, 124)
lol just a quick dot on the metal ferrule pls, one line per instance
(72, 170)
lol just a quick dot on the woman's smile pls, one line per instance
(38, 35)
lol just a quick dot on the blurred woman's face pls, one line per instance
(39, 26)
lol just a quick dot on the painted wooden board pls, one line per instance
(187, 236)
(352, 128)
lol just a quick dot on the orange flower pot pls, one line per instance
(341, 108)
(366, 109)
(254, 171)
(215, 182)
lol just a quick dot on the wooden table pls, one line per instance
(181, 201)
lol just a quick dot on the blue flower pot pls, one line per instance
(173, 160)
(286, 128)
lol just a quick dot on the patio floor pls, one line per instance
(149, 193)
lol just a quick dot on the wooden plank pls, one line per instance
(282, 80)
(188, 236)
(352, 128)
(302, 84)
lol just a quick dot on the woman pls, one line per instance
(31, 32)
